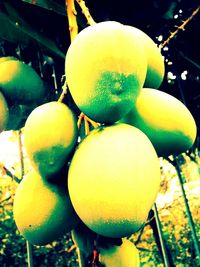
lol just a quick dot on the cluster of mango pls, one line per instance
(104, 185)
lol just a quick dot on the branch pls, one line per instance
(73, 31)
(71, 248)
(86, 12)
(4, 200)
(21, 155)
(15, 178)
(171, 161)
(71, 14)
(87, 123)
(181, 27)
(64, 92)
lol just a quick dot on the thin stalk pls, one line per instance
(161, 237)
(81, 258)
(189, 214)
(86, 12)
(29, 249)
(181, 27)
(54, 77)
(71, 14)
(21, 156)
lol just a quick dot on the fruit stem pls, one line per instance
(80, 119)
(87, 123)
(64, 92)
(73, 31)
(87, 126)
(7, 172)
(93, 123)
(71, 14)
(86, 12)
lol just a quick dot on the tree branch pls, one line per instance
(86, 12)
(71, 14)
(15, 178)
(181, 27)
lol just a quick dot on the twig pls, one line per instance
(4, 200)
(93, 123)
(80, 119)
(73, 30)
(181, 27)
(172, 162)
(15, 178)
(64, 92)
(87, 125)
(29, 249)
(86, 12)
(71, 248)
(71, 14)
(21, 155)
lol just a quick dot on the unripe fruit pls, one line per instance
(113, 180)
(155, 60)
(3, 59)
(42, 210)
(20, 83)
(125, 255)
(105, 69)
(4, 113)
(165, 120)
(50, 135)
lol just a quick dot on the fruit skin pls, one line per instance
(42, 210)
(125, 255)
(105, 68)
(165, 120)
(20, 83)
(155, 60)
(113, 180)
(3, 59)
(50, 135)
(4, 113)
